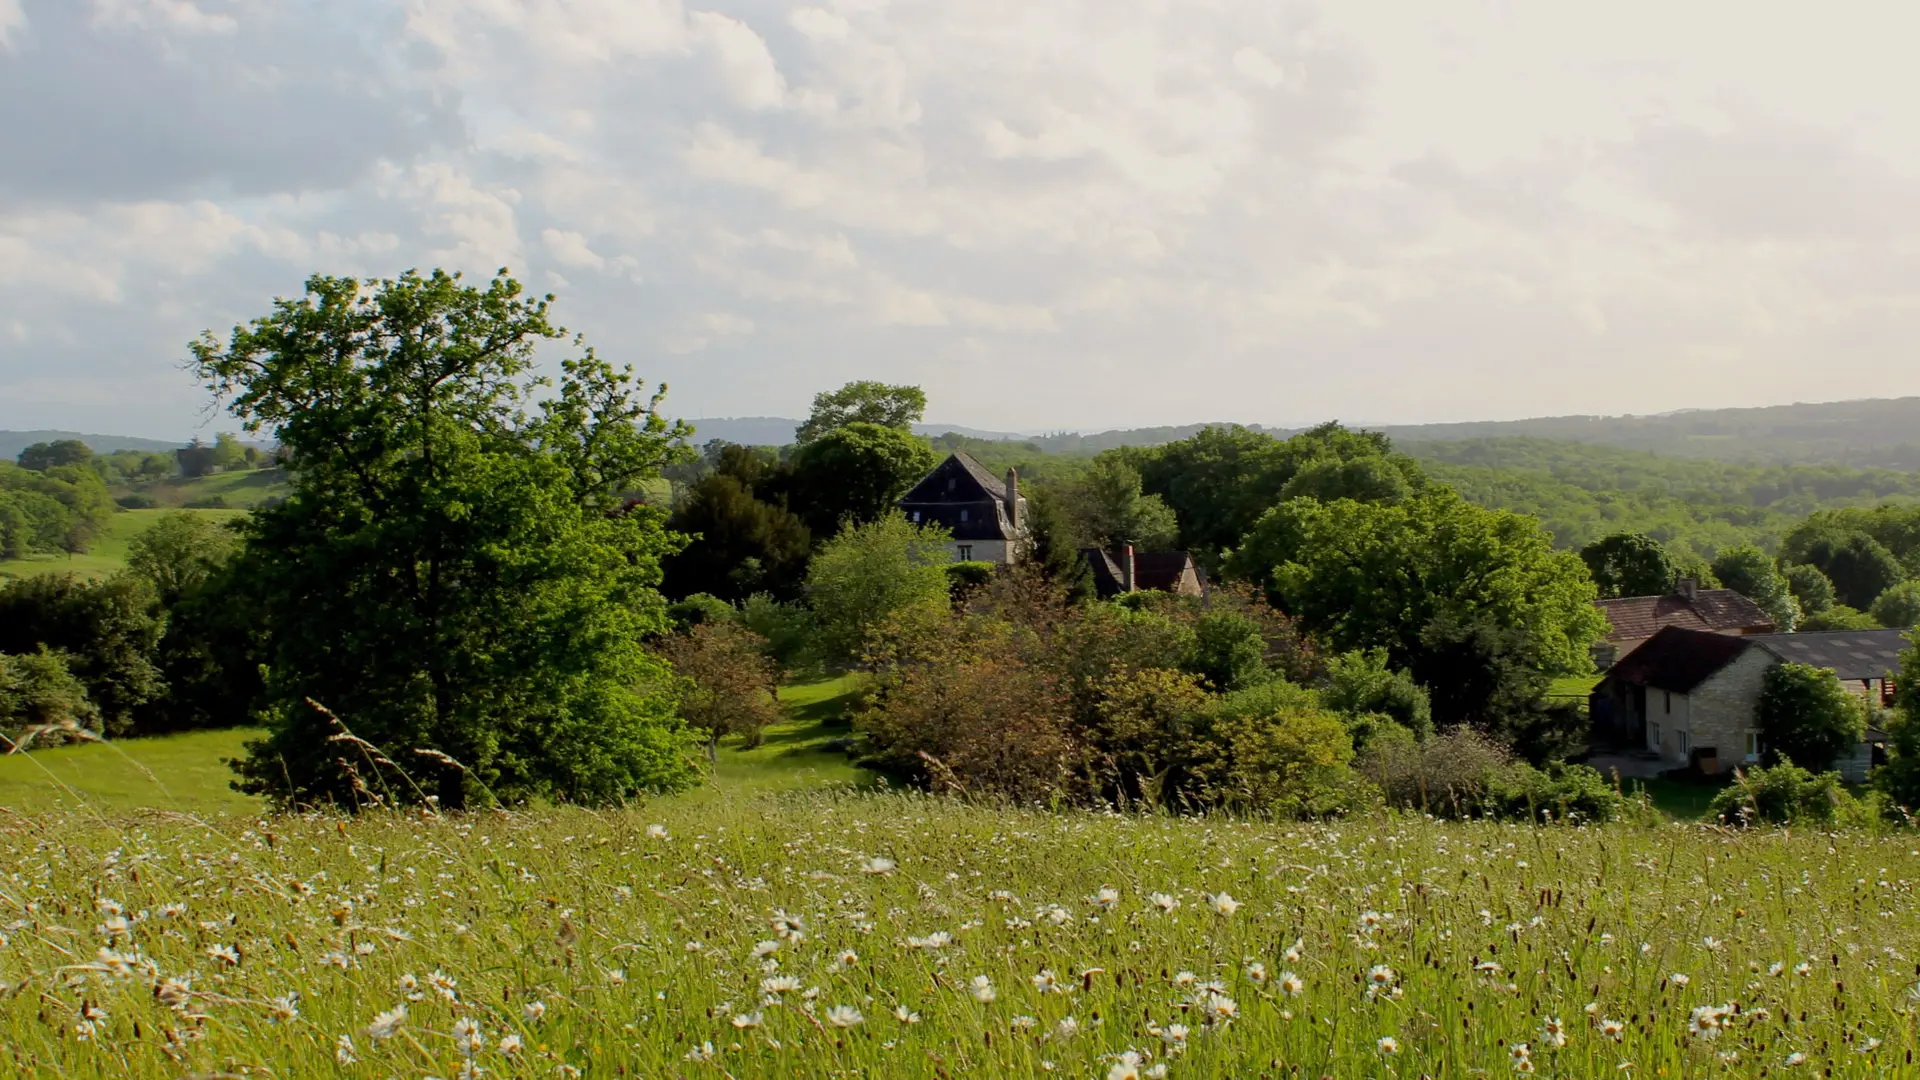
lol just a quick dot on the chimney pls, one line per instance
(1013, 499)
(1687, 587)
(1126, 568)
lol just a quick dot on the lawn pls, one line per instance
(243, 490)
(109, 552)
(186, 772)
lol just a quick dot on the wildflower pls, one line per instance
(1164, 902)
(443, 984)
(1174, 1035)
(1552, 1033)
(1868, 1046)
(656, 832)
(1380, 979)
(982, 989)
(1022, 1023)
(779, 984)
(617, 976)
(1705, 1020)
(385, 1024)
(788, 927)
(1371, 920)
(749, 1020)
(1776, 969)
(703, 1052)
(939, 939)
(1678, 979)
(1257, 971)
(1291, 984)
(534, 1010)
(877, 865)
(843, 1016)
(905, 1015)
(1294, 951)
(466, 1036)
(1126, 1066)
(1047, 983)
(1795, 1058)
(1612, 1029)
(1223, 904)
(765, 949)
(1803, 968)
(1066, 1029)
(343, 1050)
(284, 1009)
(1104, 897)
(510, 1044)
(224, 953)
(1221, 1008)
(1185, 978)
(1388, 1045)
(173, 993)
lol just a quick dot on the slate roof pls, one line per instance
(975, 490)
(1631, 618)
(1678, 659)
(1852, 654)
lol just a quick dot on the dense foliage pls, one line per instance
(457, 573)
(1805, 716)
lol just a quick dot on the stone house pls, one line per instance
(986, 516)
(1690, 696)
(1633, 619)
(1126, 571)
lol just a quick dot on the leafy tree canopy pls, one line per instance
(1899, 607)
(1810, 588)
(856, 472)
(1105, 508)
(1860, 567)
(1629, 564)
(456, 571)
(1805, 716)
(107, 632)
(1748, 571)
(872, 572)
(864, 402)
(45, 455)
(179, 553)
(740, 543)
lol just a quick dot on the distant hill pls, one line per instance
(12, 442)
(778, 430)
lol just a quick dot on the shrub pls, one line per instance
(1899, 607)
(964, 577)
(1272, 748)
(210, 502)
(1362, 688)
(1838, 617)
(724, 682)
(869, 572)
(1783, 794)
(109, 632)
(1810, 588)
(1228, 651)
(789, 630)
(38, 691)
(700, 609)
(1463, 773)
(1566, 792)
(135, 501)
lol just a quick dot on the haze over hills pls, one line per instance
(1878, 432)
(12, 442)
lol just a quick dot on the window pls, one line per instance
(1668, 703)
(966, 552)
(916, 517)
(1753, 746)
(963, 515)
(1685, 739)
(951, 481)
(1886, 692)
(1653, 736)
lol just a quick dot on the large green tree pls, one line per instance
(864, 402)
(856, 472)
(871, 572)
(1629, 564)
(42, 456)
(1104, 507)
(1860, 567)
(1807, 717)
(106, 631)
(739, 543)
(1748, 571)
(1431, 579)
(457, 571)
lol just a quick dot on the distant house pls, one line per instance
(986, 516)
(1691, 695)
(1633, 619)
(1166, 571)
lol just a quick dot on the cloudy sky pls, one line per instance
(1051, 214)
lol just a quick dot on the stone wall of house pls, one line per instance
(993, 551)
(1723, 707)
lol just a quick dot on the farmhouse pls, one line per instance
(986, 516)
(1633, 619)
(1690, 695)
(1126, 571)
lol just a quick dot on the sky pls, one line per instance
(1076, 214)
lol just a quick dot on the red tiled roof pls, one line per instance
(1632, 618)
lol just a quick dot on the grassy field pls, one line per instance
(109, 551)
(791, 920)
(241, 490)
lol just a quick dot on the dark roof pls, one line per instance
(972, 490)
(1161, 570)
(1631, 618)
(1852, 654)
(1679, 659)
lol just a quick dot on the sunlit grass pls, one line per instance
(109, 552)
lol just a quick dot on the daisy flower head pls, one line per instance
(1223, 904)
(1291, 984)
(982, 989)
(1387, 1044)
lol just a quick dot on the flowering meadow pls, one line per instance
(838, 935)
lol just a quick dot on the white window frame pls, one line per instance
(963, 515)
(1653, 736)
(1753, 745)
(1684, 739)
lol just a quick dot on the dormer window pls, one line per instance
(963, 515)
(952, 482)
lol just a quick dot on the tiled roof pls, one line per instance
(1161, 570)
(975, 493)
(1631, 618)
(1852, 654)
(1679, 659)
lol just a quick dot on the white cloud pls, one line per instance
(1374, 209)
